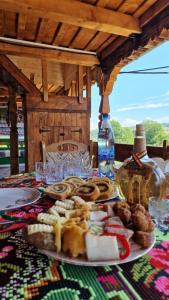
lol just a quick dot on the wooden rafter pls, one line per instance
(50, 55)
(151, 13)
(11, 68)
(154, 33)
(78, 14)
(41, 29)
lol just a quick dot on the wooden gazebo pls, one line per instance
(51, 52)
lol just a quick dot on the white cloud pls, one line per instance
(146, 105)
(161, 119)
(129, 122)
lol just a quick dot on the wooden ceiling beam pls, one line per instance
(15, 73)
(78, 14)
(49, 54)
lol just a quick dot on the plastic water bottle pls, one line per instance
(106, 148)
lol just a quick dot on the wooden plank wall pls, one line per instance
(60, 118)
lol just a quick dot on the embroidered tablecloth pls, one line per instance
(27, 274)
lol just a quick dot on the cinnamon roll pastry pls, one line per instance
(88, 191)
(72, 185)
(105, 189)
(99, 179)
(75, 180)
(59, 191)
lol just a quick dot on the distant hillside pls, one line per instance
(165, 124)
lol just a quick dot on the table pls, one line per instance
(27, 274)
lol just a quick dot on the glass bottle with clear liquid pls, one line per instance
(106, 148)
(139, 177)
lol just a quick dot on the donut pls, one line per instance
(88, 191)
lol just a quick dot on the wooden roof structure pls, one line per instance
(51, 51)
(92, 33)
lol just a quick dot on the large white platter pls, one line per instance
(135, 254)
(13, 198)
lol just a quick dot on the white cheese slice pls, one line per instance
(101, 247)
(97, 215)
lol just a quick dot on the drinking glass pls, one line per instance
(71, 168)
(41, 171)
(54, 172)
(85, 170)
(159, 211)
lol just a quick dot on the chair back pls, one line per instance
(65, 150)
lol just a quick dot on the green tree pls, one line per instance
(155, 133)
(123, 135)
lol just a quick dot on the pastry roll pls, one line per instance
(88, 192)
(59, 191)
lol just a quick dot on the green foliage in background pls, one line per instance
(123, 135)
(155, 133)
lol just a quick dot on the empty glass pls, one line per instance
(159, 211)
(85, 169)
(71, 168)
(54, 173)
(41, 171)
(49, 172)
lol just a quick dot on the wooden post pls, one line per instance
(80, 83)
(73, 88)
(14, 157)
(45, 79)
(106, 82)
(88, 96)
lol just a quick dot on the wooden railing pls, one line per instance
(123, 151)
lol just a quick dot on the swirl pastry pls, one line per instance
(88, 191)
(99, 179)
(59, 191)
(77, 181)
(72, 185)
(105, 189)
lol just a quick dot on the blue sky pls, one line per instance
(138, 97)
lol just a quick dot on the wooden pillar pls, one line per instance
(14, 157)
(88, 96)
(106, 82)
(45, 79)
(80, 83)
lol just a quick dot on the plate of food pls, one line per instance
(84, 233)
(14, 198)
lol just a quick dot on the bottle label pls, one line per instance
(106, 153)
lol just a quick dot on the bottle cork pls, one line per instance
(139, 140)
(140, 130)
